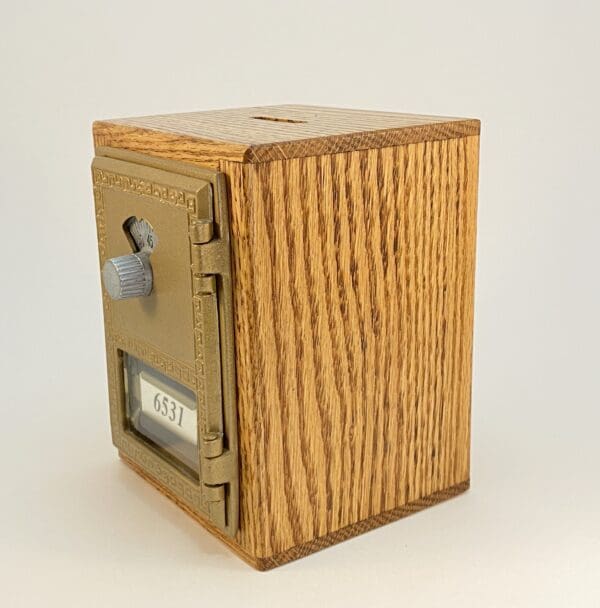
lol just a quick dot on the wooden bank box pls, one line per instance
(288, 305)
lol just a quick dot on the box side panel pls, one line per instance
(353, 292)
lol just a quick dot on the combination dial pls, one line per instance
(130, 276)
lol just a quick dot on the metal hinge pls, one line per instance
(211, 274)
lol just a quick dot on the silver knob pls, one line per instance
(128, 276)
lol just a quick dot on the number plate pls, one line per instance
(168, 411)
(163, 411)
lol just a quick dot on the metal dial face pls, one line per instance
(141, 234)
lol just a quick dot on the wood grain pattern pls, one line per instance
(268, 133)
(353, 297)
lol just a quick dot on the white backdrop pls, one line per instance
(76, 526)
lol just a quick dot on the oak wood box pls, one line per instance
(313, 289)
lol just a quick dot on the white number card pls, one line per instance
(169, 412)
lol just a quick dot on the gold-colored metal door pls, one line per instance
(170, 354)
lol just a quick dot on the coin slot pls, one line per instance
(276, 119)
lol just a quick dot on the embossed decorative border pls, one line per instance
(161, 192)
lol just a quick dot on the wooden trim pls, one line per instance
(366, 140)
(204, 153)
(333, 538)
(205, 138)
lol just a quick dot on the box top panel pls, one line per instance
(266, 133)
